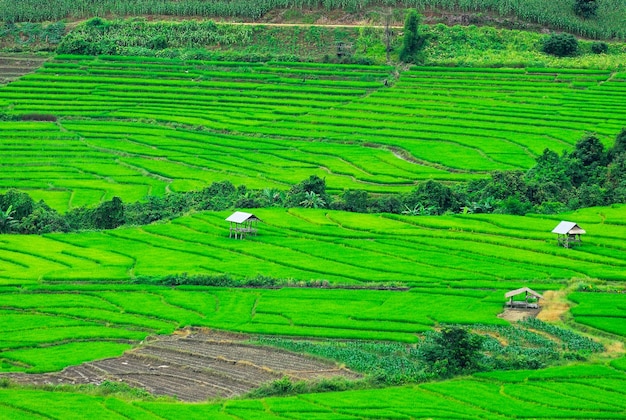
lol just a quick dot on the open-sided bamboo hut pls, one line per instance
(242, 224)
(528, 294)
(568, 234)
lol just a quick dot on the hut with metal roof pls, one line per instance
(525, 304)
(568, 234)
(242, 224)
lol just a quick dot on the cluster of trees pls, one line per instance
(586, 8)
(589, 175)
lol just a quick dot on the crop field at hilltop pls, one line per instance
(577, 391)
(133, 127)
(305, 245)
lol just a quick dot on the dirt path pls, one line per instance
(194, 365)
(553, 305)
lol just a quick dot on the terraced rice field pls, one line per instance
(47, 328)
(303, 245)
(194, 367)
(603, 311)
(137, 126)
(577, 391)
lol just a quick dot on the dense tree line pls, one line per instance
(589, 175)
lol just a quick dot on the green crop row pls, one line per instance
(493, 395)
(444, 126)
(349, 248)
(45, 320)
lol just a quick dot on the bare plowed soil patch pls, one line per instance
(194, 367)
(518, 314)
(13, 66)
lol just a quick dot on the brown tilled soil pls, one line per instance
(194, 366)
(13, 66)
(517, 314)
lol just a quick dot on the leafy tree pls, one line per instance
(312, 200)
(413, 42)
(432, 195)
(7, 222)
(561, 45)
(451, 351)
(586, 8)
(21, 203)
(620, 145)
(355, 200)
(218, 196)
(298, 193)
(43, 220)
(109, 214)
(590, 151)
(599, 47)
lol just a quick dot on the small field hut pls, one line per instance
(242, 224)
(525, 304)
(568, 234)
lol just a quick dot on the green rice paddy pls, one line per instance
(135, 126)
(132, 127)
(348, 248)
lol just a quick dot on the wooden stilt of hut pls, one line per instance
(242, 224)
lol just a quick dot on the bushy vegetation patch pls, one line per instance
(451, 351)
(561, 45)
(562, 14)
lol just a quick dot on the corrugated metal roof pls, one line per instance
(522, 290)
(565, 228)
(240, 217)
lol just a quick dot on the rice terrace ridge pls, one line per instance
(289, 209)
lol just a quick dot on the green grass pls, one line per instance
(274, 124)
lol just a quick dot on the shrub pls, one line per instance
(586, 8)
(561, 45)
(413, 42)
(599, 47)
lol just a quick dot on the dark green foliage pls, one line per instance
(599, 47)
(451, 351)
(433, 196)
(309, 193)
(21, 202)
(109, 214)
(586, 8)
(413, 41)
(43, 220)
(8, 223)
(619, 147)
(355, 200)
(590, 151)
(561, 45)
